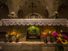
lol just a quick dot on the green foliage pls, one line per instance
(33, 30)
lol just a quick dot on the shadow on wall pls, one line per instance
(63, 11)
(4, 10)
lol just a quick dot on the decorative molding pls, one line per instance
(40, 22)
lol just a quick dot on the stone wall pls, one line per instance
(50, 5)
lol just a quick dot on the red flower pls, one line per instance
(54, 34)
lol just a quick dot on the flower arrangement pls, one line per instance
(55, 37)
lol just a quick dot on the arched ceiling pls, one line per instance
(34, 6)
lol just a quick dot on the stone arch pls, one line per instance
(33, 6)
(44, 15)
(63, 11)
(33, 15)
(4, 10)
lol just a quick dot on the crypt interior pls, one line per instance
(33, 25)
